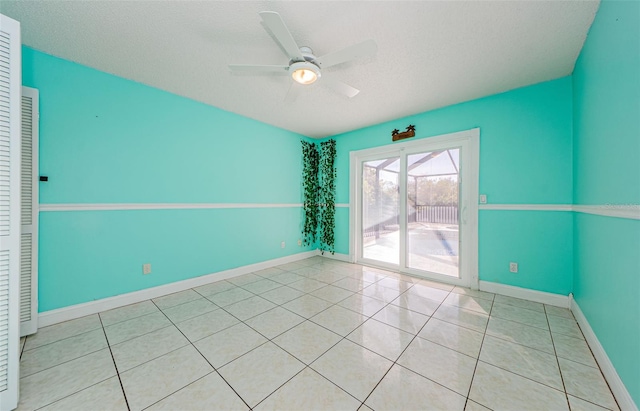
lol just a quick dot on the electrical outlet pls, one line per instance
(513, 267)
(299, 242)
(146, 269)
(483, 199)
(282, 244)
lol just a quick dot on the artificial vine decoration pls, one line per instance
(310, 161)
(327, 196)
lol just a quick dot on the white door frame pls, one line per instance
(469, 140)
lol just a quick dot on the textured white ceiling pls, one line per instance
(430, 53)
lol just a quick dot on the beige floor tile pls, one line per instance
(521, 334)
(566, 326)
(425, 291)
(274, 322)
(332, 294)
(435, 284)
(208, 290)
(105, 395)
(440, 364)
(395, 284)
(250, 307)
(518, 302)
(351, 284)
(244, 279)
(474, 406)
(229, 344)
(574, 349)
(469, 303)
(578, 404)
(415, 303)
(524, 361)
(521, 315)
(261, 286)
(500, 390)
(176, 299)
(230, 296)
(381, 338)
(339, 320)
(586, 383)
(135, 327)
(282, 295)
(464, 318)
(257, 374)
(268, 272)
(380, 293)
(307, 341)
(328, 277)
(53, 384)
(308, 391)
(209, 393)
(307, 306)
(286, 277)
(59, 352)
(127, 312)
(362, 304)
(452, 336)
(307, 285)
(352, 368)
(189, 310)
(406, 320)
(473, 293)
(206, 324)
(57, 332)
(136, 351)
(558, 311)
(402, 389)
(154, 380)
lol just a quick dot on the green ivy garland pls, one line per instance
(319, 194)
(310, 162)
(327, 196)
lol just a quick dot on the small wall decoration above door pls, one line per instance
(409, 132)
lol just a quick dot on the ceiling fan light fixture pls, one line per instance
(304, 72)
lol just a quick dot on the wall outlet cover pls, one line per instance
(483, 199)
(513, 267)
(146, 269)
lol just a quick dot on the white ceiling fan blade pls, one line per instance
(357, 51)
(293, 93)
(276, 25)
(258, 69)
(340, 87)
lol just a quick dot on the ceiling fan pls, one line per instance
(304, 67)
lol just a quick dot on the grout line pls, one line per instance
(405, 349)
(208, 362)
(57, 341)
(484, 334)
(124, 394)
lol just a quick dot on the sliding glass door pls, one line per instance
(411, 212)
(433, 229)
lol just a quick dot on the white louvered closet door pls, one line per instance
(29, 214)
(10, 95)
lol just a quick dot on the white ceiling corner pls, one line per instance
(430, 53)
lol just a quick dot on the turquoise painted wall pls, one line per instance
(104, 139)
(606, 84)
(525, 158)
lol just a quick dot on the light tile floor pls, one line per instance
(316, 335)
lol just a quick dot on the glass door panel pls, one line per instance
(433, 230)
(381, 210)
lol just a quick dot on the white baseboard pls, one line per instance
(80, 310)
(610, 374)
(556, 300)
(337, 256)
